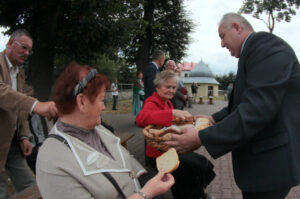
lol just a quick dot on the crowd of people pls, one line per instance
(79, 154)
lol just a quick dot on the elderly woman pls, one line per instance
(190, 177)
(82, 159)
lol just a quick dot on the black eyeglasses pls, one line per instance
(24, 47)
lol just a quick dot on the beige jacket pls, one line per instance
(76, 172)
(12, 105)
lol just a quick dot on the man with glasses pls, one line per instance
(170, 65)
(14, 110)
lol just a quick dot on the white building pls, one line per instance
(201, 74)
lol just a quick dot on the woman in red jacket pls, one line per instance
(158, 110)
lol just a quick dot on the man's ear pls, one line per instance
(10, 42)
(237, 27)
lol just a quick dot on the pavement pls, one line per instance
(222, 187)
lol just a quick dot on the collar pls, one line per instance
(245, 42)
(155, 65)
(169, 103)
(90, 160)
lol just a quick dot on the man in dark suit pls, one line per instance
(158, 59)
(261, 123)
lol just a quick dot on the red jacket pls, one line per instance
(156, 112)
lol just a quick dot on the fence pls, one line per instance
(125, 92)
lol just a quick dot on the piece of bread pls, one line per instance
(168, 161)
(202, 123)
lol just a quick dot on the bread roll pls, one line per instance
(202, 123)
(168, 161)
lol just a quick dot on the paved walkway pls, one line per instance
(222, 187)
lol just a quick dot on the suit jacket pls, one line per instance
(14, 108)
(76, 172)
(262, 121)
(148, 77)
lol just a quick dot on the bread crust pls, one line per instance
(202, 123)
(171, 157)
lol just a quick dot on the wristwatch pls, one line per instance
(142, 194)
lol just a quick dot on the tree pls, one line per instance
(80, 30)
(225, 79)
(165, 26)
(122, 31)
(275, 10)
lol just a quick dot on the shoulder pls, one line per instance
(150, 66)
(264, 44)
(153, 99)
(2, 61)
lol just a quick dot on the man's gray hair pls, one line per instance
(164, 76)
(229, 18)
(19, 33)
(157, 54)
(169, 61)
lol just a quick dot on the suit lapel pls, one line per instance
(5, 71)
(240, 82)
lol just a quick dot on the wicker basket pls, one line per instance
(155, 136)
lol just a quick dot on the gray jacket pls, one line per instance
(74, 172)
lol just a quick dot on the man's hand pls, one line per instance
(186, 142)
(26, 147)
(46, 109)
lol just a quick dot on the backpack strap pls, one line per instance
(45, 126)
(106, 174)
(35, 137)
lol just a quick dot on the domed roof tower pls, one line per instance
(201, 70)
(201, 73)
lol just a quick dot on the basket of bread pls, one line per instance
(157, 135)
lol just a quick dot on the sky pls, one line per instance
(205, 42)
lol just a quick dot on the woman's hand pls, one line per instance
(183, 115)
(159, 184)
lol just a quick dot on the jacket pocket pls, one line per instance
(270, 143)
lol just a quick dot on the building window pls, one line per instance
(186, 75)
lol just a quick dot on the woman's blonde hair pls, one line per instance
(165, 76)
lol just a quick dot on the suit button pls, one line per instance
(132, 174)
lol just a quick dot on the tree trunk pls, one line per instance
(145, 41)
(44, 35)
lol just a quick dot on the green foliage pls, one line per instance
(96, 33)
(225, 79)
(165, 26)
(127, 74)
(275, 9)
(107, 67)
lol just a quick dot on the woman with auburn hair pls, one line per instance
(82, 159)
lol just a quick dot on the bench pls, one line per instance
(125, 137)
